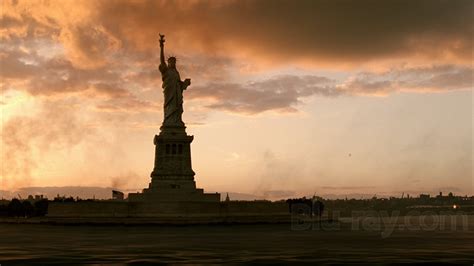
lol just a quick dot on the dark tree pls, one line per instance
(41, 207)
(28, 208)
(69, 199)
(4, 210)
(16, 208)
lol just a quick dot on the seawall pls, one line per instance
(124, 212)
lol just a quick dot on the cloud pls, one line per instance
(438, 78)
(107, 49)
(280, 32)
(130, 105)
(13, 68)
(55, 78)
(48, 76)
(280, 93)
(273, 176)
(287, 31)
(110, 90)
(124, 181)
(25, 139)
(88, 46)
(284, 93)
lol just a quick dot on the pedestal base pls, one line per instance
(196, 195)
(172, 178)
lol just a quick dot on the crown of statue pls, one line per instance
(172, 58)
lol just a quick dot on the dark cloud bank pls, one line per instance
(341, 30)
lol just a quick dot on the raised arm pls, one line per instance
(162, 53)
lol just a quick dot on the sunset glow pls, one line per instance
(287, 99)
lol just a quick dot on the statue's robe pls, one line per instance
(173, 91)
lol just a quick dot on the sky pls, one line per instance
(287, 97)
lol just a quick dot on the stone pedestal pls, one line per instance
(172, 168)
(172, 178)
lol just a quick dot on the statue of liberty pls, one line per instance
(172, 88)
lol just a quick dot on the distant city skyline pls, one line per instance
(297, 97)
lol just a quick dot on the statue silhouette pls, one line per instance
(173, 88)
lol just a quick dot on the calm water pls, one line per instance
(50, 244)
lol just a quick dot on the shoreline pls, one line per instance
(132, 221)
(209, 220)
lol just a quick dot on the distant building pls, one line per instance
(117, 195)
(38, 197)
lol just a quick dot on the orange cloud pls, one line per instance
(280, 32)
(87, 46)
(288, 31)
